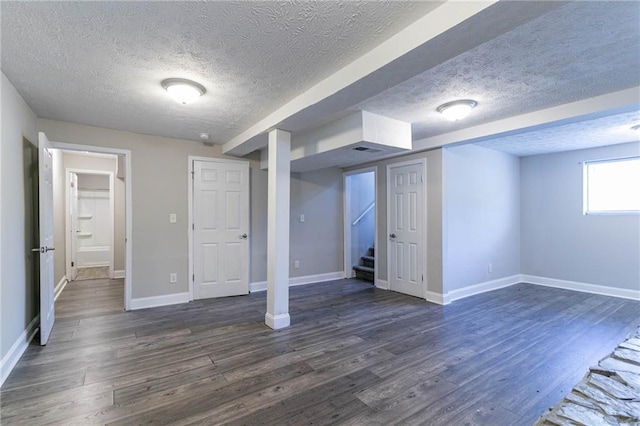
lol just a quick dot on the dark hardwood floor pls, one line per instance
(353, 355)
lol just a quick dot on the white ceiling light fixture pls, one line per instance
(183, 90)
(457, 110)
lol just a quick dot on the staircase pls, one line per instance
(364, 270)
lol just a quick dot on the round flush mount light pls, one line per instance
(204, 136)
(183, 90)
(457, 110)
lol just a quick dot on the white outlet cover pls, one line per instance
(173, 218)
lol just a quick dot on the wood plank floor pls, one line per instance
(354, 355)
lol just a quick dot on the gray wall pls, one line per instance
(18, 285)
(481, 215)
(433, 216)
(363, 193)
(317, 243)
(160, 181)
(558, 241)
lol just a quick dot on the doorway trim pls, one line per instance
(190, 239)
(348, 271)
(67, 174)
(128, 208)
(423, 163)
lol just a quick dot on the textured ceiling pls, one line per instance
(100, 63)
(585, 134)
(578, 51)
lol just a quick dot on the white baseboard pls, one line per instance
(277, 321)
(582, 287)
(307, 279)
(437, 298)
(17, 349)
(59, 287)
(483, 287)
(93, 265)
(118, 274)
(154, 301)
(383, 284)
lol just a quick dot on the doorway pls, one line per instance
(360, 224)
(90, 221)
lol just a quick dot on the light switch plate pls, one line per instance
(173, 218)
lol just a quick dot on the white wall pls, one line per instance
(18, 288)
(558, 241)
(481, 216)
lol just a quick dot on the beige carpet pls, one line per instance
(92, 273)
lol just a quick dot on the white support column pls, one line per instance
(277, 315)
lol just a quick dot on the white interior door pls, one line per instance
(406, 225)
(45, 166)
(75, 229)
(220, 228)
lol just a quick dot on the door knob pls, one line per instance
(392, 235)
(243, 236)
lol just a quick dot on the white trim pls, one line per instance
(190, 238)
(164, 300)
(582, 287)
(383, 284)
(119, 273)
(277, 321)
(423, 228)
(437, 298)
(128, 250)
(295, 281)
(21, 344)
(59, 287)
(482, 287)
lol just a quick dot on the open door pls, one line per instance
(45, 166)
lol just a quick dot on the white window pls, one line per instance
(612, 186)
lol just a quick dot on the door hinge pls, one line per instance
(72, 263)
(422, 277)
(421, 178)
(193, 226)
(193, 174)
(193, 277)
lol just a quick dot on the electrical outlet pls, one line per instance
(173, 278)
(296, 264)
(490, 268)
(301, 218)
(173, 218)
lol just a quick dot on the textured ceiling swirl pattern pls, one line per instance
(100, 63)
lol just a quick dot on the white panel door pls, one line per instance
(406, 227)
(47, 300)
(220, 228)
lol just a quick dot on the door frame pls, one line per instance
(348, 271)
(423, 229)
(67, 174)
(190, 238)
(128, 208)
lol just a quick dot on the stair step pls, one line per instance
(363, 269)
(369, 258)
(364, 273)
